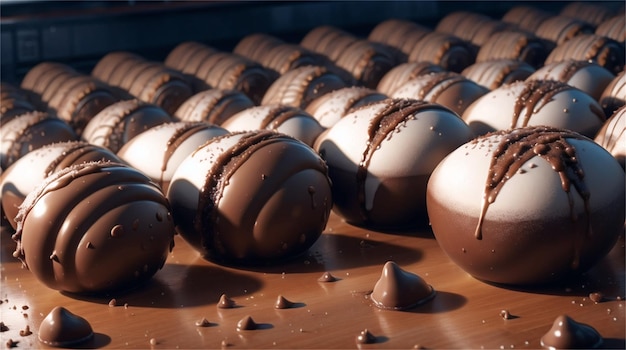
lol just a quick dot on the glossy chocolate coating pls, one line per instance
(62, 328)
(251, 197)
(94, 227)
(587, 76)
(213, 106)
(30, 171)
(569, 334)
(451, 90)
(300, 86)
(404, 72)
(285, 119)
(614, 95)
(118, 123)
(398, 289)
(515, 45)
(526, 17)
(614, 28)
(534, 205)
(30, 131)
(559, 29)
(607, 52)
(495, 73)
(368, 187)
(535, 102)
(612, 136)
(450, 52)
(170, 143)
(329, 108)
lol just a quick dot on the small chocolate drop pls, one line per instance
(365, 337)
(398, 289)
(283, 303)
(225, 302)
(203, 323)
(246, 324)
(117, 231)
(327, 277)
(3, 327)
(63, 328)
(26, 331)
(569, 334)
(596, 297)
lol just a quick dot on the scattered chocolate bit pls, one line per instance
(24, 307)
(11, 343)
(596, 297)
(3, 327)
(569, 334)
(399, 289)
(113, 303)
(418, 347)
(153, 341)
(505, 314)
(283, 303)
(225, 302)
(246, 324)
(125, 305)
(365, 337)
(225, 343)
(203, 323)
(327, 277)
(26, 331)
(63, 328)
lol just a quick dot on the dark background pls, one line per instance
(79, 33)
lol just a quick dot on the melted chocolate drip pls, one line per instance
(75, 151)
(440, 81)
(382, 126)
(278, 115)
(569, 334)
(517, 146)
(63, 328)
(180, 135)
(534, 93)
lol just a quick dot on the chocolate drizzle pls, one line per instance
(73, 152)
(517, 146)
(180, 135)
(278, 115)
(534, 93)
(396, 114)
(217, 179)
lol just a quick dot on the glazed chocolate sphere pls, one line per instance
(381, 155)
(528, 205)
(94, 227)
(251, 197)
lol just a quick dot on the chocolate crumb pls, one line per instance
(596, 297)
(505, 314)
(11, 343)
(203, 323)
(25, 332)
(24, 307)
(327, 277)
(112, 303)
(3, 327)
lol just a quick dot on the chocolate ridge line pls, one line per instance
(276, 116)
(395, 113)
(73, 151)
(517, 146)
(534, 92)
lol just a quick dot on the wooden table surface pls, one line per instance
(464, 314)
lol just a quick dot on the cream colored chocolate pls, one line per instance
(329, 108)
(30, 131)
(612, 135)
(528, 18)
(28, 172)
(381, 155)
(535, 102)
(213, 106)
(448, 89)
(528, 205)
(404, 72)
(614, 95)
(590, 47)
(614, 28)
(495, 73)
(251, 197)
(587, 76)
(288, 120)
(158, 151)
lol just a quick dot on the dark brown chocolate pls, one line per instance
(247, 324)
(566, 333)
(120, 236)
(62, 328)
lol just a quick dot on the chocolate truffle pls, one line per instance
(587, 11)
(448, 89)
(158, 151)
(534, 205)
(30, 131)
(398, 289)
(527, 18)
(495, 73)
(450, 52)
(515, 45)
(398, 33)
(300, 86)
(612, 135)
(559, 29)
(213, 106)
(614, 28)
(329, 108)
(62, 328)
(251, 197)
(614, 95)
(590, 47)
(587, 76)
(120, 122)
(93, 228)
(404, 72)
(288, 120)
(15, 101)
(372, 184)
(472, 27)
(28, 172)
(569, 334)
(535, 102)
